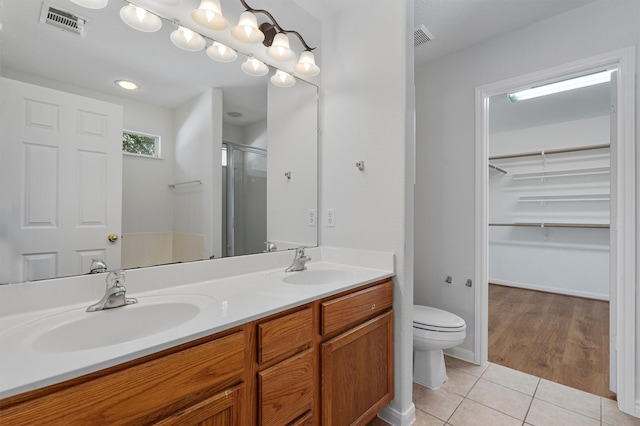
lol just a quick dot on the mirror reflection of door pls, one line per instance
(244, 195)
(62, 153)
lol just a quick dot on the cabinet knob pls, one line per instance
(373, 306)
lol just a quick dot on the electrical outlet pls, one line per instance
(311, 219)
(331, 218)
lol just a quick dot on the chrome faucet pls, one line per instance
(98, 266)
(115, 295)
(299, 261)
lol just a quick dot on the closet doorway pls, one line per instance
(544, 207)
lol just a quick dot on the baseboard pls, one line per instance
(555, 290)
(461, 353)
(396, 418)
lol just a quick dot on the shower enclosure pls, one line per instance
(244, 199)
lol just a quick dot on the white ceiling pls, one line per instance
(459, 24)
(169, 76)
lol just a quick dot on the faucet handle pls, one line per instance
(115, 278)
(300, 251)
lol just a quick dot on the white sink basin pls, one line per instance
(77, 330)
(317, 277)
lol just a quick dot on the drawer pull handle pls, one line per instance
(373, 306)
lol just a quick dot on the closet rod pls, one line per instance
(498, 169)
(554, 225)
(552, 151)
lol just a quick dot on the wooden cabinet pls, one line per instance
(287, 365)
(141, 392)
(327, 362)
(222, 409)
(357, 364)
(357, 379)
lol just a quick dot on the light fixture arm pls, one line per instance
(274, 24)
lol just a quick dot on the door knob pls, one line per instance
(113, 237)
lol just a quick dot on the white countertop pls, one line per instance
(226, 302)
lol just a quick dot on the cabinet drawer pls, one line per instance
(351, 309)
(222, 409)
(286, 389)
(285, 335)
(142, 393)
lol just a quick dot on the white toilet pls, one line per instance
(433, 331)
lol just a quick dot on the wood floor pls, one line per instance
(560, 338)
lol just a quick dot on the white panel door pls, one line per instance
(60, 182)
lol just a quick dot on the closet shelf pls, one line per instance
(555, 225)
(563, 173)
(497, 169)
(552, 151)
(563, 198)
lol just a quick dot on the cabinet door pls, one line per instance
(286, 390)
(222, 409)
(357, 373)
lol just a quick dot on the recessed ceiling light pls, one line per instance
(127, 85)
(234, 114)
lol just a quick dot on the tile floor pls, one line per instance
(494, 395)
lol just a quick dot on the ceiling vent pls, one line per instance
(421, 35)
(62, 19)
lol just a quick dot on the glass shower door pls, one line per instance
(246, 200)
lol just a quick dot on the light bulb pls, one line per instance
(254, 67)
(221, 53)
(282, 79)
(247, 29)
(209, 15)
(140, 19)
(306, 65)
(186, 39)
(279, 49)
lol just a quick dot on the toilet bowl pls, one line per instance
(434, 330)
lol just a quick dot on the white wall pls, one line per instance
(366, 114)
(292, 141)
(445, 186)
(198, 124)
(572, 261)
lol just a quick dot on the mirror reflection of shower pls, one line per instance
(244, 199)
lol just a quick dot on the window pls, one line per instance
(140, 144)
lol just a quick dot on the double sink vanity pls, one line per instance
(235, 341)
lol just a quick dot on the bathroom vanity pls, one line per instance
(324, 357)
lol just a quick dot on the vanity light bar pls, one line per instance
(561, 86)
(209, 15)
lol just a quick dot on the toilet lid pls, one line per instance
(437, 319)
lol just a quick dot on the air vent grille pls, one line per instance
(421, 35)
(62, 19)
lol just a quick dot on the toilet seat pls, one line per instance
(434, 319)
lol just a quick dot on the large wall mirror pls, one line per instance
(229, 160)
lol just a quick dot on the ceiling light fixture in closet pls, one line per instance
(561, 86)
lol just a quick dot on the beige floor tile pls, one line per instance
(439, 403)
(612, 416)
(505, 400)
(459, 382)
(512, 379)
(470, 413)
(426, 419)
(569, 398)
(467, 367)
(377, 422)
(545, 414)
